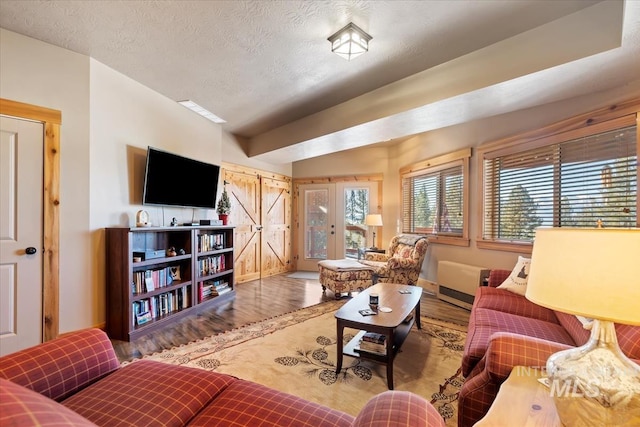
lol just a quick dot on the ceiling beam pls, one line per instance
(444, 95)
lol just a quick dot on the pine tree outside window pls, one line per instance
(356, 208)
(435, 198)
(576, 180)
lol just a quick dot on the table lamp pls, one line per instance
(592, 273)
(373, 220)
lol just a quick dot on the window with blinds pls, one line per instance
(577, 183)
(433, 200)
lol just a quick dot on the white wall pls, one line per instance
(108, 120)
(233, 151)
(126, 117)
(41, 74)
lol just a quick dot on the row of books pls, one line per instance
(211, 265)
(149, 280)
(212, 288)
(210, 242)
(159, 305)
(372, 342)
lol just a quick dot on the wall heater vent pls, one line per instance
(457, 283)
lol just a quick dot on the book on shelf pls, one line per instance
(212, 288)
(374, 338)
(370, 347)
(222, 289)
(211, 265)
(210, 242)
(149, 280)
(160, 305)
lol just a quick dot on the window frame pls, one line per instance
(433, 165)
(600, 121)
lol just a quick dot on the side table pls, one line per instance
(363, 251)
(522, 401)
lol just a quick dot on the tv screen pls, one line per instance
(172, 180)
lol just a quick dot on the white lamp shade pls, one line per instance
(373, 220)
(588, 272)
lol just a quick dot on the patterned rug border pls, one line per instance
(266, 327)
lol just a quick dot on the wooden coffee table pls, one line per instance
(394, 325)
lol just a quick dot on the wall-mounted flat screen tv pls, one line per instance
(173, 180)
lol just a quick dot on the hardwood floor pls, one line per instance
(258, 300)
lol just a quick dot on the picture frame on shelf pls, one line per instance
(174, 271)
(148, 283)
(142, 318)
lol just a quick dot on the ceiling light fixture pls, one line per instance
(202, 111)
(350, 42)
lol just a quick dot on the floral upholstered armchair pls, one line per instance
(403, 262)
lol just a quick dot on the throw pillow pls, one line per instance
(517, 280)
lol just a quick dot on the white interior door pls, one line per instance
(332, 223)
(21, 235)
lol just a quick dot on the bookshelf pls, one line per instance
(156, 275)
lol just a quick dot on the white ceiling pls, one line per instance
(266, 66)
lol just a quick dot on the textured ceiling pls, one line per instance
(265, 66)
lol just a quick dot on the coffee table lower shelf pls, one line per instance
(397, 334)
(395, 324)
(400, 334)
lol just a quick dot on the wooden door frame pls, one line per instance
(52, 120)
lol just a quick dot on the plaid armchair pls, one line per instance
(403, 262)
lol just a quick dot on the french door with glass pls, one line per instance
(332, 220)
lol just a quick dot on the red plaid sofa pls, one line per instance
(508, 330)
(76, 380)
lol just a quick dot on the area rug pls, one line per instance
(296, 352)
(307, 275)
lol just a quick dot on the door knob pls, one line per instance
(30, 250)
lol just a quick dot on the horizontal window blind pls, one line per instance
(576, 183)
(432, 201)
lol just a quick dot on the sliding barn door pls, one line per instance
(276, 222)
(261, 215)
(244, 192)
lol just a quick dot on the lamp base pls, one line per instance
(596, 384)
